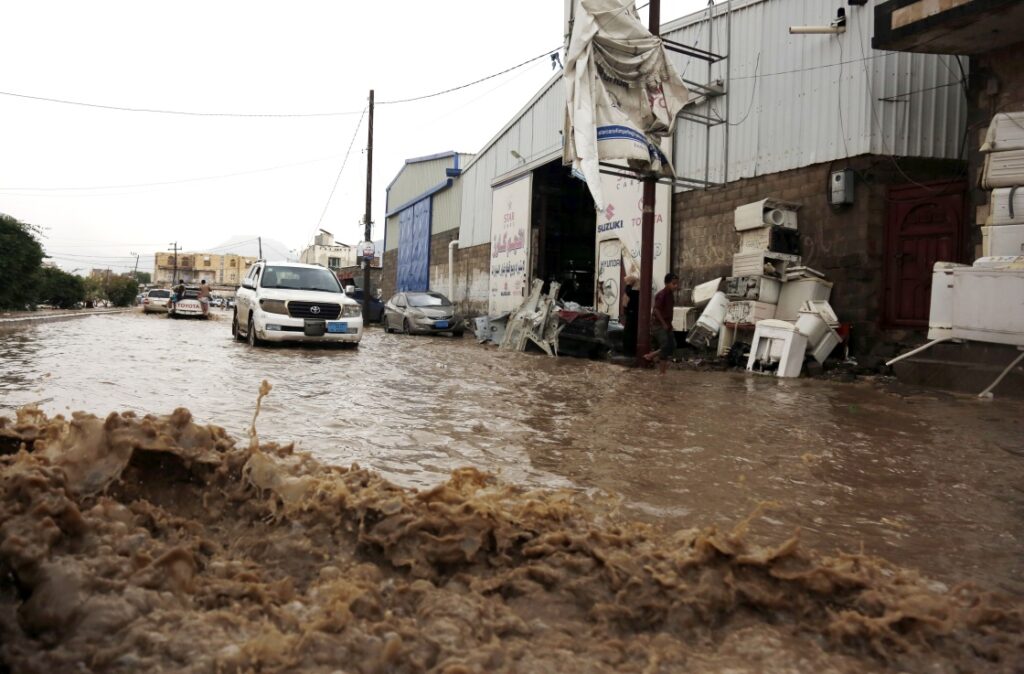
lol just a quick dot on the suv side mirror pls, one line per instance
(248, 284)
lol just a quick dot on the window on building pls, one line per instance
(334, 262)
(206, 261)
(233, 262)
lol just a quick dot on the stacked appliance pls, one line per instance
(1003, 228)
(771, 293)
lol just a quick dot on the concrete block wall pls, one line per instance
(847, 245)
(472, 272)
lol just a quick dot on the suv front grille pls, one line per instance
(327, 310)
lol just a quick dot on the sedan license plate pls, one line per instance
(440, 324)
(337, 327)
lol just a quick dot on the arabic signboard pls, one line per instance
(621, 221)
(510, 245)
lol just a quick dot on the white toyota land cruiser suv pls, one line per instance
(289, 301)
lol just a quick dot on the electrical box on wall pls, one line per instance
(841, 184)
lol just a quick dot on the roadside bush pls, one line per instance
(59, 288)
(20, 258)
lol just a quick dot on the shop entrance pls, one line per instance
(564, 226)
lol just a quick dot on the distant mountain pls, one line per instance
(249, 245)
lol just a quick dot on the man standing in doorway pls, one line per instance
(661, 318)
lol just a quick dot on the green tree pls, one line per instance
(20, 258)
(143, 277)
(59, 288)
(122, 291)
(94, 289)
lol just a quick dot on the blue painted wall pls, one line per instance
(414, 247)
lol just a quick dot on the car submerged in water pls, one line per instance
(293, 302)
(188, 306)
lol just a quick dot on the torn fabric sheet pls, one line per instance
(622, 92)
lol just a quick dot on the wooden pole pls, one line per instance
(367, 223)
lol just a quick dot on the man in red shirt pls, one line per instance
(661, 320)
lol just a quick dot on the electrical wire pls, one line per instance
(166, 182)
(469, 84)
(889, 153)
(186, 113)
(330, 196)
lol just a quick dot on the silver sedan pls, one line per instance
(422, 313)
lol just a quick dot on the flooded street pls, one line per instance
(925, 481)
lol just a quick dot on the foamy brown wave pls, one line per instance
(154, 544)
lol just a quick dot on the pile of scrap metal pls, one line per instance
(556, 328)
(583, 332)
(773, 310)
(536, 320)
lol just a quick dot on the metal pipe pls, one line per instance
(817, 30)
(707, 127)
(728, 84)
(452, 245)
(919, 349)
(987, 393)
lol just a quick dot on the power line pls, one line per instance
(167, 182)
(359, 124)
(258, 115)
(186, 113)
(469, 84)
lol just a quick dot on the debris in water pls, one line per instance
(134, 544)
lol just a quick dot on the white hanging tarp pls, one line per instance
(622, 92)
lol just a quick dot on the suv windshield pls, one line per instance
(427, 300)
(300, 278)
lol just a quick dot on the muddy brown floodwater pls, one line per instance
(613, 537)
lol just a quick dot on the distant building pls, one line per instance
(216, 269)
(326, 252)
(101, 274)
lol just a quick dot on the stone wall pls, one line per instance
(847, 245)
(472, 272)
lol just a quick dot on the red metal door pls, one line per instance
(925, 225)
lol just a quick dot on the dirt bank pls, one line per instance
(155, 544)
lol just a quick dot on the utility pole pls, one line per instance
(647, 230)
(135, 272)
(368, 225)
(174, 247)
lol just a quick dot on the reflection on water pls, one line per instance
(930, 482)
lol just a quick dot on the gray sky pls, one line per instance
(252, 56)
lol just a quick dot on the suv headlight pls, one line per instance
(274, 306)
(351, 310)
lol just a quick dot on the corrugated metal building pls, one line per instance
(423, 201)
(795, 107)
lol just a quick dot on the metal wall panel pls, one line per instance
(414, 247)
(797, 100)
(531, 134)
(793, 101)
(391, 230)
(445, 209)
(415, 179)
